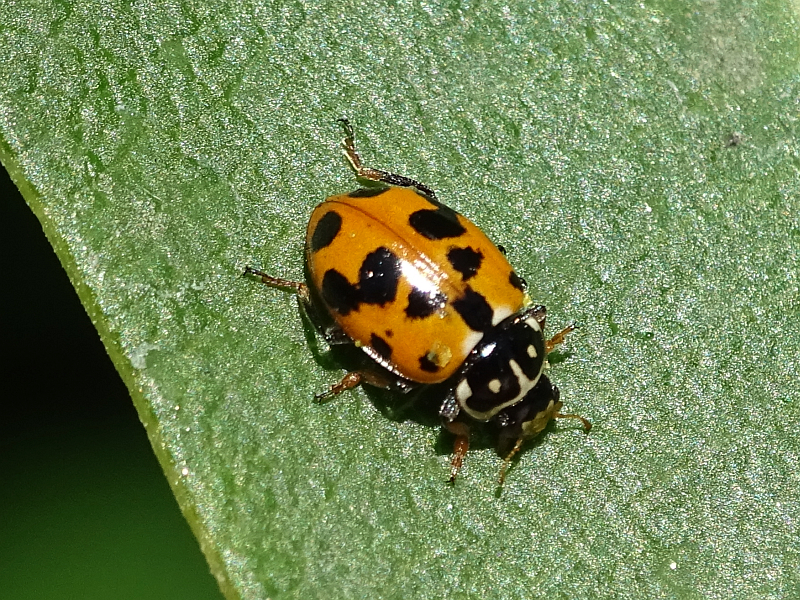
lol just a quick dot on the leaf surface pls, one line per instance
(640, 164)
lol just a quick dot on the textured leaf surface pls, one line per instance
(639, 163)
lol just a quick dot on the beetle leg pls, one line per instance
(375, 379)
(303, 293)
(300, 288)
(449, 411)
(521, 440)
(559, 337)
(460, 447)
(349, 149)
(507, 459)
(587, 426)
(348, 382)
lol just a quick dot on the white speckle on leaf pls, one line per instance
(139, 355)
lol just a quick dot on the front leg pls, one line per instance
(460, 446)
(449, 412)
(540, 314)
(559, 337)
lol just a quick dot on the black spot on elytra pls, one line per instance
(338, 293)
(377, 284)
(389, 333)
(367, 192)
(437, 224)
(378, 277)
(427, 365)
(466, 261)
(326, 231)
(475, 310)
(517, 281)
(381, 346)
(422, 304)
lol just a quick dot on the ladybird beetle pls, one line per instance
(429, 299)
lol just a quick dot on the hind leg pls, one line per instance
(349, 149)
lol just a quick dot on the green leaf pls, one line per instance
(640, 164)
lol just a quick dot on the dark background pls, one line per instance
(85, 510)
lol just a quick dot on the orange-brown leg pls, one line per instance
(300, 288)
(460, 447)
(587, 426)
(507, 460)
(348, 382)
(349, 149)
(559, 337)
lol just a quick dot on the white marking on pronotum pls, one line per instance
(525, 385)
(495, 385)
(532, 351)
(533, 324)
(463, 391)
